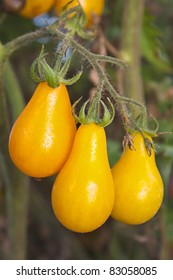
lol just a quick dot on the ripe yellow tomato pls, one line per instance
(90, 7)
(33, 8)
(43, 134)
(83, 192)
(138, 184)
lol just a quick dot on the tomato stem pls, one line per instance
(55, 30)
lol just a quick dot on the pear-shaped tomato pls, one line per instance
(138, 184)
(33, 8)
(90, 7)
(83, 192)
(42, 136)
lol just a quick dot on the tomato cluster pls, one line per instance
(33, 8)
(44, 141)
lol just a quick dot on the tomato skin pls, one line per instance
(138, 184)
(83, 193)
(42, 136)
(89, 7)
(34, 8)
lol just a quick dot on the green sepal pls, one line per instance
(74, 109)
(50, 75)
(75, 21)
(82, 114)
(152, 132)
(35, 70)
(65, 11)
(92, 113)
(54, 76)
(93, 110)
(108, 116)
(72, 80)
(66, 66)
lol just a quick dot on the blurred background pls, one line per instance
(28, 227)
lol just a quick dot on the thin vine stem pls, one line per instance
(25, 39)
(93, 59)
(110, 59)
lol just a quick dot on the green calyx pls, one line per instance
(74, 15)
(141, 124)
(75, 21)
(95, 111)
(41, 71)
(153, 132)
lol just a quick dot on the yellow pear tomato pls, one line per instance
(138, 184)
(42, 136)
(33, 8)
(83, 192)
(90, 7)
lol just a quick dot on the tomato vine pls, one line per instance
(55, 31)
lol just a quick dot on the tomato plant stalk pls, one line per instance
(130, 48)
(16, 184)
